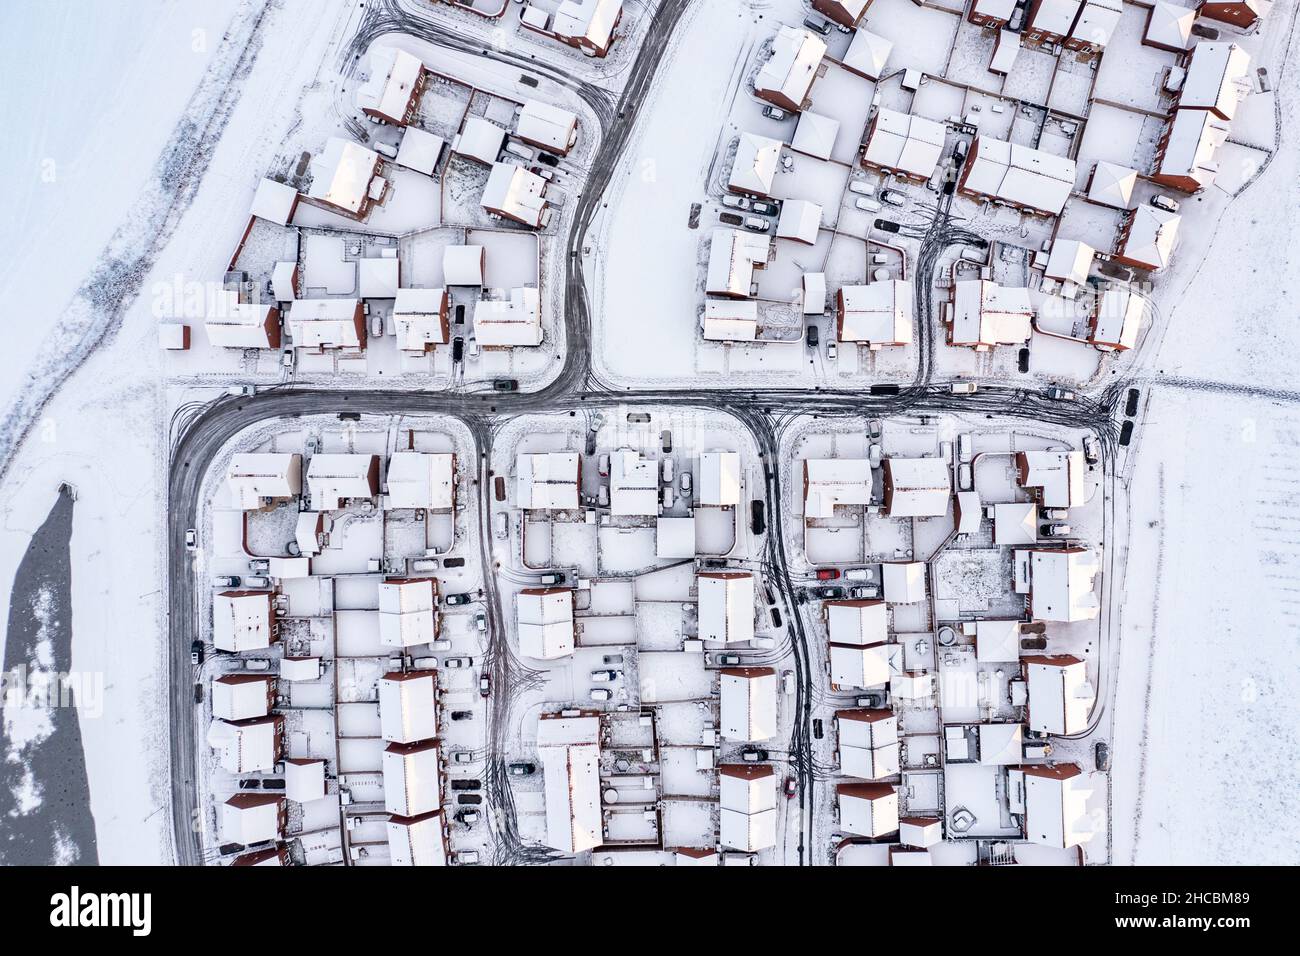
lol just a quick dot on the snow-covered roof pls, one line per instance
(389, 91)
(633, 484)
(379, 277)
(1053, 16)
(867, 809)
(1097, 21)
(545, 620)
(333, 478)
(1061, 583)
(675, 538)
(274, 201)
(1112, 185)
(833, 482)
(900, 141)
(916, 487)
(920, 831)
(341, 174)
(800, 220)
(248, 746)
(512, 321)
(547, 481)
(733, 255)
(547, 126)
(1060, 694)
(232, 324)
(748, 707)
(590, 20)
(1070, 260)
(300, 668)
(1054, 801)
(790, 70)
(240, 696)
(814, 293)
(1192, 147)
(304, 779)
(695, 856)
(856, 622)
(419, 150)
(463, 265)
(867, 54)
(854, 665)
(1015, 522)
(255, 477)
(284, 281)
(726, 606)
(747, 798)
(421, 480)
(903, 581)
(569, 748)
(866, 727)
(718, 481)
(249, 818)
(1169, 25)
(241, 620)
(729, 320)
(815, 135)
(408, 704)
(1025, 177)
(1001, 744)
(416, 841)
(1118, 318)
(420, 317)
(516, 193)
(479, 139)
(1217, 78)
(1152, 237)
(1058, 476)
(411, 785)
(755, 165)
(877, 314)
(326, 323)
(997, 641)
(408, 611)
(986, 315)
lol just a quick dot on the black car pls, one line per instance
(1101, 756)
(522, 769)
(467, 783)
(460, 315)
(196, 653)
(764, 208)
(885, 389)
(548, 159)
(453, 562)
(469, 799)
(753, 754)
(1131, 403)
(830, 594)
(457, 349)
(813, 336)
(757, 522)
(505, 385)
(666, 441)
(249, 784)
(884, 225)
(272, 784)
(819, 730)
(462, 715)
(730, 219)
(198, 693)
(456, 600)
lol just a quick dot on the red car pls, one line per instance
(827, 574)
(791, 788)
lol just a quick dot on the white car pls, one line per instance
(600, 694)
(868, 205)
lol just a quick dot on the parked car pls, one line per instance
(480, 622)
(860, 574)
(198, 693)
(257, 582)
(963, 388)
(505, 385)
(774, 112)
(462, 715)
(959, 152)
(1164, 202)
(814, 337)
(819, 730)
(191, 539)
(753, 755)
(462, 756)
(522, 768)
(667, 472)
(894, 197)
(1091, 451)
(548, 159)
(765, 208)
(196, 653)
(456, 600)
(469, 799)
(600, 694)
(832, 351)
(485, 685)
(726, 660)
(827, 574)
(884, 225)
(830, 594)
(458, 663)
(501, 525)
(520, 150)
(467, 817)
(551, 578)
(787, 682)
(612, 659)
(466, 857)
(604, 676)
(225, 581)
(732, 201)
(757, 523)
(1101, 756)
(1131, 402)
(862, 188)
(250, 784)
(729, 219)
(864, 592)
(868, 205)
(1054, 530)
(817, 24)
(458, 349)
(757, 224)
(684, 482)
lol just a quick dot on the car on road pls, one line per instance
(458, 663)
(198, 693)
(462, 756)
(830, 594)
(757, 523)
(963, 388)
(1101, 756)
(791, 788)
(485, 685)
(196, 653)
(505, 385)
(753, 755)
(522, 768)
(191, 539)
(456, 600)
(226, 581)
(832, 351)
(886, 389)
(1060, 394)
(774, 112)
(1131, 402)
(827, 574)
(480, 622)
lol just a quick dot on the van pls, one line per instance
(862, 188)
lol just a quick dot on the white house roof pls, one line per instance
(300, 668)
(416, 841)
(814, 293)
(1020, 175)
(878, 314)
(333, 478)
(394, 75)
(674, 538)
(726, 606)
(547, 481)
(1060, 695)
(256, 476)
(1054, 801)
(732, 257)
(1059, 477)
(244, 747)
(341, 174)
(411, 778)
(1112, 185)
(917, 487)
(274, 201)
(792, 67)
(408, 612)
(249, 818)
(718, 481)
(569, 748)
(867, 54)
(832, 482)
(304, 780)
(241, 620)
(419, 150)
(549, 126)
(1001, 744)
(987, 314)
(1216, 78)
(1193, 145)
(1118, 317)
(867, 728)
(545, 620)
(754, 168)
(747, 788)
(592, 20)
(232, 324)
(1070, 260)
(282, 281)
(800, 220)
(867, 809)
(420, 316)
(378, 277)
(863, 666)
(408, 706)
(997, 641)
(730, 320)
(857, 622)
(1152, 236)
(1097, 21)
(421, 480)
(240, 696)
(1062, 585)
(815, 135)
(748, 706)
(747, 832)
(1054, 16)
(904, 581)
(1000, 9)
(1170, 25)
(325, 323)
(912, 144)
(512, 321)
(633, 484)
(516, 193)
(479, 139)
(463, 265)
(1015, 522)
